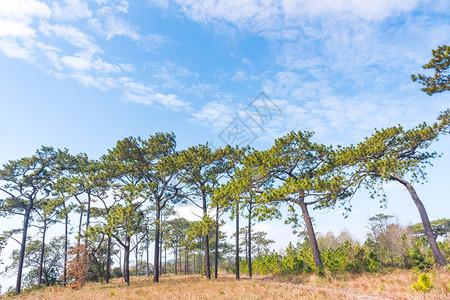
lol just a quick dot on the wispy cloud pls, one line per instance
(215, 114)
(52, 34)
(167, 101)
(70, 10)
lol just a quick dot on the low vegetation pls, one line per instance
(393, 285)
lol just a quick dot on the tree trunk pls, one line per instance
(250, 241)
(156, 258)
(237, 241)
(165, 260)
(88, 216)
(79, 226)
(176, 257)
(216, 256)
(41, 258)
(66, 234)
(26, 219)
(148, 250)
(311, 235)
(193, 270)
(108, 260)
(136, 254)
(207, 260)
(160, 253)
(186, 265)
(179, 261)
(246, 244)
(425, 221)
(126, 261)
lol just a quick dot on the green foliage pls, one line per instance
(440, 63)
(423, 284)
(292, 262)
(419, 255)
(52, 263)
(440, 228)
(117, 272)
(373, 262)
(267, 264)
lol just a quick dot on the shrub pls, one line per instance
(423, 284)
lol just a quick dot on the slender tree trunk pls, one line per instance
(216, 256)
(148, 250)
(160, 253)
(246, 244)
(136, 254)
(425, 221)
(80, 225)
(186, 266)
(120, 259)
(165, 260)
(156, 258)
(311, 234)
(41, 258)
(193, 270)
(26, 219)
(250, 241)
(126, 261)
(237, 240)
(207, 260)
(108, 260)
(176, 257)
(180, 260)
(88, 217)
(66, 234)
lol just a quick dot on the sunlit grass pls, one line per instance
(395, 285)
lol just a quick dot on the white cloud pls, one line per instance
(152, 42)
(73, 35)
(127, 67)
(78, 62)
(168, 101)
(13, 49)
(242, 76)
(215, 114)
(70, 10)
(101, 83)
(368, 10)
(14, 29)
(104, 67)
(113, 25)
(280, 16)
(160, 3)
(24, 10)
(118, 26)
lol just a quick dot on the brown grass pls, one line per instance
(395, 285)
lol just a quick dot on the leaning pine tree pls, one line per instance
(397, 155)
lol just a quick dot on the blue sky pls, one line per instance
(84, 74)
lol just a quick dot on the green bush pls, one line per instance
(267, 264)
(373, 262)
(420, 258)
(117, 272)
(423, 284)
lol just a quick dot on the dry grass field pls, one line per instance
(394, 285)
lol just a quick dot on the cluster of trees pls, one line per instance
(127, 197)
(388, 245)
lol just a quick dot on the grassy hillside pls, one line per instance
(396, 285)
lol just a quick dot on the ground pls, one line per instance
(394, 285)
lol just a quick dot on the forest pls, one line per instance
(118, 205)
